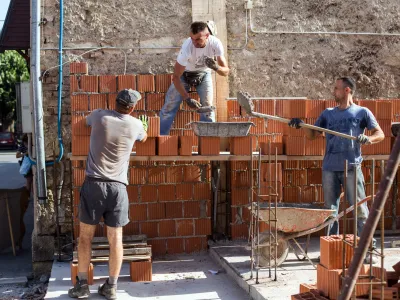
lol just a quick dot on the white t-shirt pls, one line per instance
(193, 58)
(111, 142)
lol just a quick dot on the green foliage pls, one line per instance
(13, 69)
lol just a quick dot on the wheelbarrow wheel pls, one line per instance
(282, 250)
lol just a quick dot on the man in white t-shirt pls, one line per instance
(193, 69)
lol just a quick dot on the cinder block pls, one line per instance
(167, 145)
(148, 148)
(74, 273)
(141, 271)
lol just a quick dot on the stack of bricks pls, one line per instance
(330, 269)
(169, 202)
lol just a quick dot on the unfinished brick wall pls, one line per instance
(170, 202)
(298, 181)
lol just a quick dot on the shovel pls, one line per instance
(246, 103)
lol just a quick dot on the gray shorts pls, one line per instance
(104, 198)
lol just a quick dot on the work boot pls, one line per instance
(109, 291)
(80, 290)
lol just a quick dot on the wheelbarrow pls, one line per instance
(293, 220)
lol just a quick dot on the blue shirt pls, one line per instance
(351, 121)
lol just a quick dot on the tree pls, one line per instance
(13, 69)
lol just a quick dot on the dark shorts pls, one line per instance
(102, 198)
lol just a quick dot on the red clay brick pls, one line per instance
(79, 126)
(111, 100)
(131, 229)
(384, 109)
(191, 173)
(316, 107)
(239, 196)
(182, 119)
(291, 194)
(108, 84)
(195, 244)
(145, 83)
(173, 210)
(97, 101)
(294, 145)
(158, 247)
(370, 104)
(175, 246)
(184, 191)
(137, 176)
(239, 231)
(314, 176)
(156, 175)
(148, 193)
(167, 145)
(81, 68)
(166, 192)
(294, 177)
(295, 108)
(154, 101)
(167, 228)
(266, 106)
(138, 212)
(241, 145)
(202, 191)
(174, 174)
(203, 226)
(163, 82)
(149, 228)
(209, 145)
(233, 108)
(276, 142)
(126, 82)
(184, 227)
(79, 103)
(141, 271)
(265, 172)
(191, 209)
(156, 211)
(89, 83)
(148, 148)
(153, 127)
(315, 147)
(133, 193)
(80, 145)
(73, 84)
(185, 145)
(260, 127)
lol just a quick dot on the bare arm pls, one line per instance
(178, 71)
(223, 69)
(377, 135)
(19, 154)
(311, 134)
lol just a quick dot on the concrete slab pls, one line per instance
(235, 259)
(175, 277)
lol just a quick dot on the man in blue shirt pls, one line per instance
(350, 119)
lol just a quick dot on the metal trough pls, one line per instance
(221, 129)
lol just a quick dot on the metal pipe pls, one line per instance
(109, 48)
(276, 213)
(38, 103)
(346, 165)
(270, 209)
(382, 236)
(372, 221)
(355, 228)
(258, 214)
(319, 32)
(372, 200)
(252, 207)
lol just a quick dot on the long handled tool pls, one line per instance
(246, 103)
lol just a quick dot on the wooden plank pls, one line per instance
(225, 156)
(129, 238)
(125, 245)
(127, 252)
(124, 258)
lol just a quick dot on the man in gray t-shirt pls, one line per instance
(350, 119)
(103, 193)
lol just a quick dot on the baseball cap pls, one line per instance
(128, 98)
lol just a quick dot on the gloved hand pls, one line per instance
(211, 63)
(192, 103)
(145, 121)
(295, 123)
(205, 109)
(363, 139)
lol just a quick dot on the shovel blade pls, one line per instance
(245, 102)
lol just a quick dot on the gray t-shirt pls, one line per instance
(351, 121)
(111, 141)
